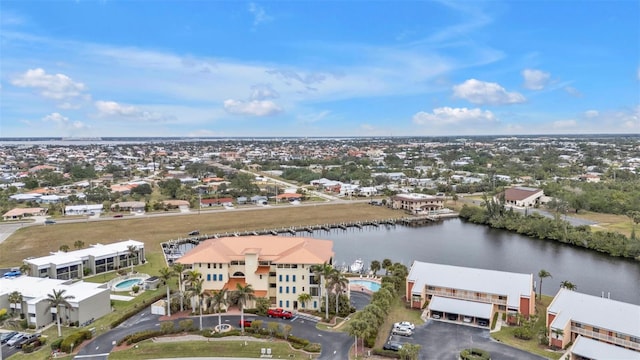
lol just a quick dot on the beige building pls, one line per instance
(521, 196)
(278, 268)
(417, 203)
(598, 328)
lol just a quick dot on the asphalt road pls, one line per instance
(335, 346)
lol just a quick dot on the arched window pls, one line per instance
(238, 273)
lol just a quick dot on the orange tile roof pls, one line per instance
(277, 249)
(263, 269)
(289, 196)
(233, 283)
(260, 293)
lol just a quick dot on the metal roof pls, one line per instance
(594, 349)
(461, 307)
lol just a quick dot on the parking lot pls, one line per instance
(444, 340)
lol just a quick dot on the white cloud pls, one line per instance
(535, 79)
(564, 124)
(263, 92)
(591, 113)
(253, 107)
(112, 108)
(454, 116)
(64, 122)
(259, 15)
(58, 86)
(481, 92)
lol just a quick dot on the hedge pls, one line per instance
(475, 354)
(386, 353)
(73, 340)
(135, 310)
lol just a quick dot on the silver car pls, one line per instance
(404, 331)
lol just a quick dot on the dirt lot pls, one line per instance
(40, 240)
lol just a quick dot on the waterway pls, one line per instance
(455, 242)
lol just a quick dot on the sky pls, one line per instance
(111, 68)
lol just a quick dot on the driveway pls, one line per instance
(442, 340)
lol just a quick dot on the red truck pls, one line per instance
(279, 313)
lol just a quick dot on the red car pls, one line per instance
(117, 216)
(247, 323)
(279, 313)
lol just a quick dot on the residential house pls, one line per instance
(215, 202)
(87, 209)
(417, 203)
(20, 213)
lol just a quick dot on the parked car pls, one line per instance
(6, 336)
(247, 323)
(49, 222)
(27, 339)
(467, 319)
(279, 313)
(194, 232)
(402, 331)
(452, 316)
(117, 215)
(483, 323)
(12, 274)
(392, 345)
(405, 324)
(436, 315)
(15, 339)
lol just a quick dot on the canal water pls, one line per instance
(455, 242)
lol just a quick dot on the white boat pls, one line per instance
(357, 266)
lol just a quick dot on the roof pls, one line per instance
(514, 285)
(288, 196)
(416, 197)
(611, 314)
(34, 289)
(232, 284)
(594, 349)
(97, 250)
(461, 307)
(520, 193)
(263, 269)
(23, 211)
(277, 249)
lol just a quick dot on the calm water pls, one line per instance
(454, 242)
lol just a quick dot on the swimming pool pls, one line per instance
(368, 284)
(127, 284)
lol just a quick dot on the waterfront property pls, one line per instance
(96, 259)
(521, 196)
(468, 294)
(278, 268)
(90, 300)
(417, 203)
(598, 327)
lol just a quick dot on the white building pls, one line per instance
(82, 209)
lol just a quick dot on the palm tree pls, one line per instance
(304, 298)
(132, 251)
(218, 300)
(57, 299)
(386, 265)
(375, 267)
(196, 290)
(568, 285)
(324, 272)
(14, 298)
(338, 282)
(542, 274)
(79, 244)
(166, 274)
(245, 293)
(178, 269)
(25, 269)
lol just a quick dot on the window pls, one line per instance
(208, 266)
(430, 288)
(220, 277)
(293, 290)
(215, 265)
(208, 277)
(260, 276)
(280, 278)
(287, 303)
(303, 289)
(302, 277)
(287, 289)
(272, 285)
(215, 277)
(280, 290)
(315, 304)
(293, 278)
(596, 330)
(280, 303)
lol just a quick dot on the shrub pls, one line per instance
(494, 322)
(134, 311)
(186, 324)
(475, 354)
(299, 341)
(135, 289)
(72, 341)
(140, 336)
(28, 348)
(523, 333)
(313, 348)
(166, 326)
(55, 344)
(386, 353)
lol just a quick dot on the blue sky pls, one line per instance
(318, 68)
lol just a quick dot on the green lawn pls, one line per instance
(150, 350)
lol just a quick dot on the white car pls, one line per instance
(404, 324)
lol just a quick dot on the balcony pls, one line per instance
(606, 338)
(462, 296)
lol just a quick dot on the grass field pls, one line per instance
(39, 240)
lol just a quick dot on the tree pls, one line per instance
(245, 294)
(64, 248)
(78, 244)
(409, 351)
(386, 265)
(132, 252)
(338, 283)
(25, 269)
(375, 267)
(358, 328)
(243, 184)
(196, 290)
(15, 298)
(218, 300)
(304, 298)
(568, 285)
(178, 268)
(166, 274)
(324, 272)
(56, 299)
(542, 274)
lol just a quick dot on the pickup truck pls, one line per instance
(279, 313)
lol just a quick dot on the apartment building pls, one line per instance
(90, 300)
(521, 196)
(598, 327)
(96, 259)
(417, 203)
(278, 268)
(471, 295)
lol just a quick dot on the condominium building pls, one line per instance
(278, 268)
(417, 203)
(90, 300)
(598, 327)
(95, 259)
(468, 294)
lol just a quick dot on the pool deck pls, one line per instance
(360, 288)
